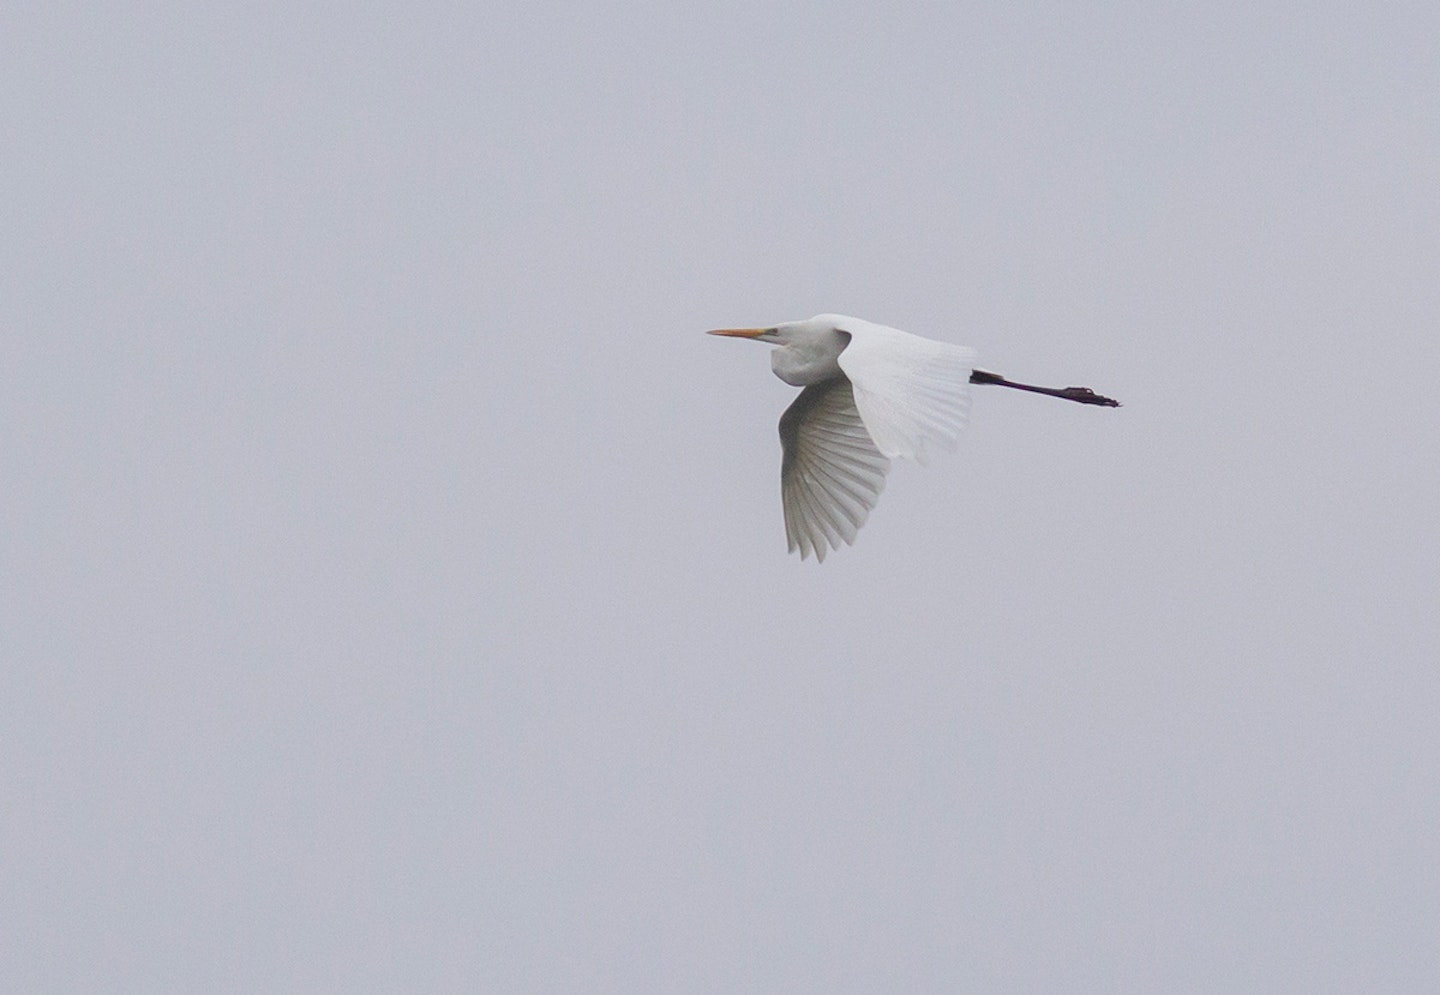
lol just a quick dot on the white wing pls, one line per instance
(831, 474)
(910, 391)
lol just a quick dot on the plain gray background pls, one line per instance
(394, 586)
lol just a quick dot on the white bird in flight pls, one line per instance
(872, 394)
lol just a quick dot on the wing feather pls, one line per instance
(831, 474)
(911, 392)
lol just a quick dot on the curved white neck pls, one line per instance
(809, 360)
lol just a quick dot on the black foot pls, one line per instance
(1087, 396)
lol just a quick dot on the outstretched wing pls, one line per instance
(831, 474)
(911, 392)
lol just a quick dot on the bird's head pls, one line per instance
(822, 327)
(807, 349)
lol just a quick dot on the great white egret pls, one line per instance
(872, 394)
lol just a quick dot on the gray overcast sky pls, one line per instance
(394, 588)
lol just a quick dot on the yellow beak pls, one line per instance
(739, 333)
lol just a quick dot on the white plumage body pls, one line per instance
(872, 394)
